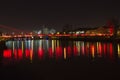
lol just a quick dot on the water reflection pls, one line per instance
(118, 50)
(57, 49)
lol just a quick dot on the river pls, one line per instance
(60, 59)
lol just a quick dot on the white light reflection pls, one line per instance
(29, 44)
(97, 48)
(13, 44)
(47, 45)
(18, 44)
(58, 43)
(22, 46)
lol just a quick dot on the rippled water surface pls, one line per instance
(60, 59)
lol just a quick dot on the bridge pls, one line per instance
(21, 34)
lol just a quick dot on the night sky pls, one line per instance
(31, 15)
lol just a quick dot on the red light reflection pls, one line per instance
(75, 51)
(15, 53)
(100, 49)
(40, 53)
(87, 50)
(105, 49)
(111, 51)
(50, 53)
(69, 51)
(19, 53)
(58, 52)
(27, 53)
(83, 50)
(7, 53)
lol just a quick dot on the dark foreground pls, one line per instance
(74, 69)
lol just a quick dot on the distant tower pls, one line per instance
(113, 25)
(45, 30)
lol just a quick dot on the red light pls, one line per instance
(58, 52)
(40, 53)
(19, 53)
(75, 50)
(7, 53)
(83, 51)
(105, 49)
(15, 53)
(69, 50)
(100, 49)
(86, 50)
(111, 30)
(27, 53)
(111, 50)
(50, 53)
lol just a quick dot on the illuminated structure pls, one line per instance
(45, 30)
(101, 31)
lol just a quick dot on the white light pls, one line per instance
(39, 32)
(77, 32)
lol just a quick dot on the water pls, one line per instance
(58, 59)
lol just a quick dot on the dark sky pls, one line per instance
(31, 14)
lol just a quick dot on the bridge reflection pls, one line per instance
(58, 49)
